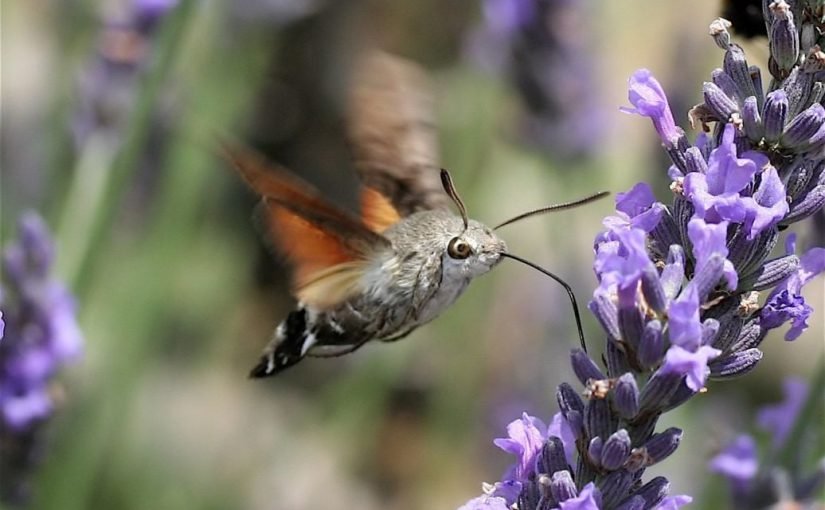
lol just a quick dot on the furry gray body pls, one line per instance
(405, 286)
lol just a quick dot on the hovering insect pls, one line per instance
(405, 259)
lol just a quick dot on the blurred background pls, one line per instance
(110, 111)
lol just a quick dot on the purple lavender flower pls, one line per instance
(737, 462)
(530, 42)
(526, 437)
(678, 285)
(756, 483)
(485, 503)
(649, 100)
(588, 499)
(778, 419)
(785, 302)
(40, 335)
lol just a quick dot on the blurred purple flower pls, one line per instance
(41, 331)
(779, 419)
(737, 462)
(649, 100)
(542, 47)
(40, 335)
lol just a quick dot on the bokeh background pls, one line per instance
(110, 112)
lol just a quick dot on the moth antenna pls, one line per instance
(555, 207)
(449, 187)
(563, 284)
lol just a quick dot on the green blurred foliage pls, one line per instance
(177, 294)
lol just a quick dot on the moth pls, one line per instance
(405, 258)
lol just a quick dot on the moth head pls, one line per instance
(472, 248)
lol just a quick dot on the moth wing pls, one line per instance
(377, 212)
(328, 249)
(391, 127)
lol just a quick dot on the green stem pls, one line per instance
(92, 205)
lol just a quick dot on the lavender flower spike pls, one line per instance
(40, 336)
(649, 100)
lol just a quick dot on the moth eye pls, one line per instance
(458, 249)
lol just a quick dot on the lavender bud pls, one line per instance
(630, 324)
(615, 487)
(708, 276)
(654, 491)
(746, 254)
(663, 444)
(694, 161)
(598, 420)
(605, 311)
(677, 153)
(562, 486)
(530, 495)
(719, 31)
(723, 81)
(615, 450)
(798, 86)
(784, 38)
(626, 396)
(584, 367)
(710, 327)
(634, 503)
(616, 358)
(652, 346)
(569, 400)
(751, 120)
(657, 391)
(751, 336)
(551, 457)
(679, 397)
(776, 110)
(774, 271)
(673, 272)
(641, 429)
(718, 102)
(811, 203)
(585, 472)
(594, 451)
(683, 211)
(546, 502)
(756, 81)
(666, 232)
(801, 128)
(808, 35)
(652, 290)
(729, 333)
(797, 175)
(735, 364)
(736, 66)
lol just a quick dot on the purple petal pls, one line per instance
(561, 429)
(693, 365)
(683, 320)
(768, 204)
(21, 410)
(526, 438)
(673, 502)
(737, 462)
(711, 239)
(485, 503)
(779, 419)
(588, 499)
(649, 100)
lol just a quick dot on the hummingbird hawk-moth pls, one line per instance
(405, 258)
